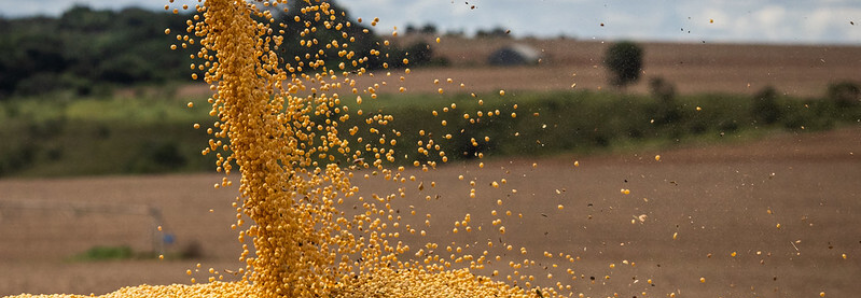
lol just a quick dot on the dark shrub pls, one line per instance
(664, 93)
(765, 108)
(845, 94)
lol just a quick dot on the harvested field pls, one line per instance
(802, 71)
(717, 200)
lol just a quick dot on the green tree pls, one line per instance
(625, 60)
(429, 29)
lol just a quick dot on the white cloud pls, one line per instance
(770, 16)
(775, 22)
(834, 21)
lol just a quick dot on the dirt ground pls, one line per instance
(802, 71)
(716, 200)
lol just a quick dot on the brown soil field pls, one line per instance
(716, 199)
(803, 71)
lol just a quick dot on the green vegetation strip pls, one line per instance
(107, 253)
(92, 136)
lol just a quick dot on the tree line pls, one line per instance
(88, 51)
(83, 49)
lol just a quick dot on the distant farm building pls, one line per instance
(515, 54)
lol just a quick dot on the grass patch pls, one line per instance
(106, 253)
(124, 252)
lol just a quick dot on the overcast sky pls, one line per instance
(759, 21)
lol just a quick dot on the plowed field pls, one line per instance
(715, 200)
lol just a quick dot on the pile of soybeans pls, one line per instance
(282, 123)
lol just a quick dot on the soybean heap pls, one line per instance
(279, 120)
(290, 180)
